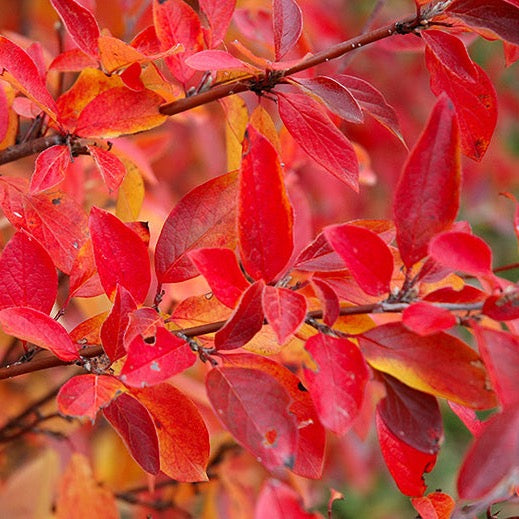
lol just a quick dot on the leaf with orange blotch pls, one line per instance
(475, 102)
(219, 14)
(244, 322)
(120, 111)
(134, 425)
(149, 363)
(80, 24)
(182, 434)
(27, 275)
(365, 254)
(38, 328)
(313, 130)
(85, 395)
(176, 22)
(114, 328)
(19, 70)
(427, 196)
(111, 168)
(50, 168)
(405, 463)
(199, 310)
(277, 500)
(120, 255)
(328, 299)
(221, 270)
(337, 384)
(88, 332)
(500, 352)
(500, 16)
(205, 217)
(441, 365)
(285, 311)
(425, 319)
(461, 251)
(263, 425)
(309, 452)
(265, 216)
(335, 96)
(436, 505)
(81, 496)
(287, 21)
(492, 460)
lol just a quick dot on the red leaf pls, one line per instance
(412, 416)
(405, 463)
(475, 102)
(328, 299)
(23, 76)
(120, 254)
(371, 101)
(503, 307)
(263, 425)
(219, 14)
(27, 275)
(452, 54)
(221, 270)
(135, 426)
(434, 506)
(148, 364)
(441, 365)
(245, 322)
(182, 434)
(111, 168)
(313, 130)
(337, 386)
(265, 218)
(287, 20)
(85, 395)
(50, 168)
(205, 217)
(80, 24)
(491, 463)
(4, 114)
(118, 111)
(319, 256)
(468, 417)
(285, 311)
(216, 60)
(365, 254)
(145, 322)
(279, 501)
(426, 319)
(427, 196)
(463, 252)
(500, 352)
(38, 328)
(84, 280)
(499, 16)
(114, 328)
(309, 453)
(335, 96)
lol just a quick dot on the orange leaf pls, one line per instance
(434, 506)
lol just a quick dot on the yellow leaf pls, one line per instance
(131, 193)
(237, 116)
(262, 121)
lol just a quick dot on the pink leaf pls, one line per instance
(265, 218)
(285, 311)
(287, 20)
(27, 275)
(81, 25)
(463, 252)
(427, 196)
(120, 254)
(365, 254)
(338, 383)
(38, 328)
(85, 395)
(313, 130)
(216, 60)
(221, 270)
(111, 168)
(426, 319)
(50, 168)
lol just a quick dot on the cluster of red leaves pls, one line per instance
(272, 289)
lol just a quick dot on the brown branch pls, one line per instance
(25, 149)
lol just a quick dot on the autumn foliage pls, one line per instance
(263, 243)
